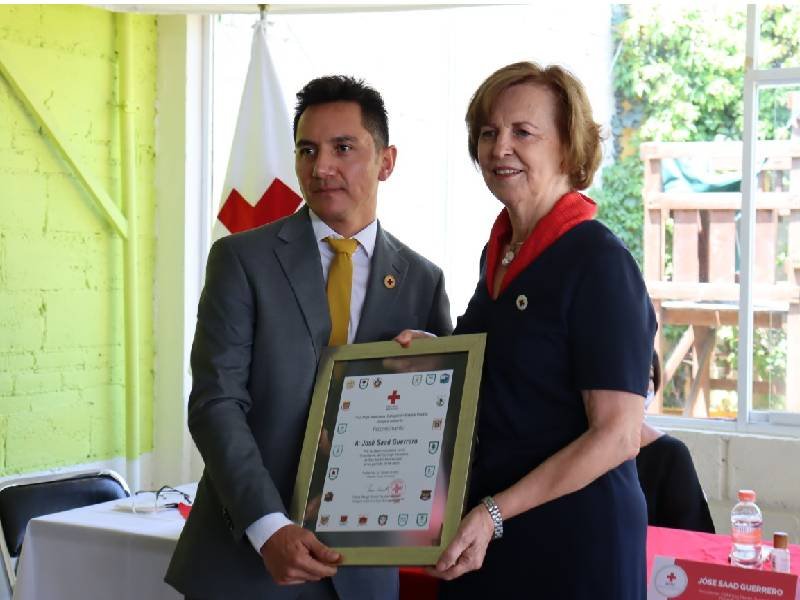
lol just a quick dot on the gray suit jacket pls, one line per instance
(261, 325)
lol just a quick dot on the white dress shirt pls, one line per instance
(261, 530)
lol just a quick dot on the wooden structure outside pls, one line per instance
(702, 289)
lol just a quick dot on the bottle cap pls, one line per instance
(747, 496)
(780, 540)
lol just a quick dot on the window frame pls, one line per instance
(748, 420)
(754, 79)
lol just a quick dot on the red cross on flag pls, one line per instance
(260, 182)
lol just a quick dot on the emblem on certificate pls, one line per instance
(389, 440)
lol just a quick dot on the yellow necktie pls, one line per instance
(340, 281)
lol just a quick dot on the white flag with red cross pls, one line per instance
(260, 184)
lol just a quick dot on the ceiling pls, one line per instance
(286, 7)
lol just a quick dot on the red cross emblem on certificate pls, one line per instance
(393, 397)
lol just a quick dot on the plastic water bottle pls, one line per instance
(746, 524)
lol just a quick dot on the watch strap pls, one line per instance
(494, 513)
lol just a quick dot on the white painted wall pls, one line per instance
(728, 462)
(182, 214)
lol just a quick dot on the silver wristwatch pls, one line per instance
(497, 518)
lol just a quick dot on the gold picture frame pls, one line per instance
(383, 480)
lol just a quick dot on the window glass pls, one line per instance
(678, 77)
(779, 44)
(776, 336)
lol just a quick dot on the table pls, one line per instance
(703, 547)
(99, 552)
(417, 585)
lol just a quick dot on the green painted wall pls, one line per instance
(62, 370)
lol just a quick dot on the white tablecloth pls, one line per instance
(98, 553)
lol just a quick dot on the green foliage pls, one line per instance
(682, 71)
(769, 360)
(780, 43)
(619, 202)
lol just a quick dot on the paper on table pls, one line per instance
(139, 507)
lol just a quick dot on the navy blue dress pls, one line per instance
(577, 318)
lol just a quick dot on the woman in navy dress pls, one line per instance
(556, 507)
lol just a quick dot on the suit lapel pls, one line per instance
(303, 270)
(387, 267)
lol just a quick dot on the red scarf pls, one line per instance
(570, 210)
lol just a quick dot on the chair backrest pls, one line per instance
(22, 500)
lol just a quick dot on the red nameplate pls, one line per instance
(692, 580)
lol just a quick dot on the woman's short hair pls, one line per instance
(579, 134)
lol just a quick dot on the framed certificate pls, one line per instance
(383, 471)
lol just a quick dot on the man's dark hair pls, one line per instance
(343, 88)
(656, 371)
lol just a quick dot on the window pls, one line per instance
(772, 92)
(681, 134)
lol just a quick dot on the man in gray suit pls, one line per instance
(262, 322)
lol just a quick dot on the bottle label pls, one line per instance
(746, 533)
(780, 560)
